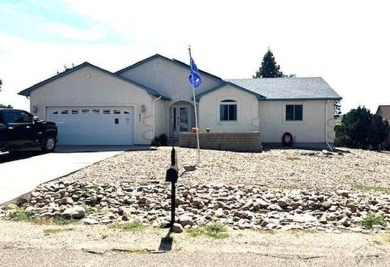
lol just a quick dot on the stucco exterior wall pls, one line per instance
(160, 112)
(247, 111)
(91, 87)
(312, 129)
(168, 79)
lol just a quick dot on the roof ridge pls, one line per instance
(173, 60)
(311, 77)
(26, 92)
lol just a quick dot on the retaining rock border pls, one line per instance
(238, 206)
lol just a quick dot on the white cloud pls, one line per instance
(91, 34)
(343, 41)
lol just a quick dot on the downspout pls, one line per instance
(154, 120)
(326, 126)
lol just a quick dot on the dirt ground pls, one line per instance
(24, 243)
(28, 244)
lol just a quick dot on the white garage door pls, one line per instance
(93, 125)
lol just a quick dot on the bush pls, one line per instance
(161, 140)
(5, 106)
(372, 219)
(339, 136)
(19, 215)
(361, 129)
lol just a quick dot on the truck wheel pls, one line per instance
(49, 144)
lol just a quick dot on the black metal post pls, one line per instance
(173, 203)
(172, 176)
(173, 157)
(173, 132)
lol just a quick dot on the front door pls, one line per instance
(181, 121)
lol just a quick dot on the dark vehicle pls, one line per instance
(20, 130)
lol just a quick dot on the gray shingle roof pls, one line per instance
(289, 88)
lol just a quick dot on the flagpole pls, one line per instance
(196, 114)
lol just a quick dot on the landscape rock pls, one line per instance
(240, 206)
(76, 212)
(177, 228)
(186, 220)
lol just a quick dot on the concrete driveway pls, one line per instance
(19, 177)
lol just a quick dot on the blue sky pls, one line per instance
(50, 22)
(345, 42)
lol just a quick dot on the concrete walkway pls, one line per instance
(21, 176)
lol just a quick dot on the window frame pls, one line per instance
(228, 103)
(15, 116)
(297, 113)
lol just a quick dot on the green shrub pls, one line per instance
(19, 215)
(362, 129)
(161, 140)
(372, 219)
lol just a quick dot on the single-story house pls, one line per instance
(384, 111)
(93, 106)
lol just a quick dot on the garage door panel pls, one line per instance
(93, 125)
(94, 140)
(86, 130)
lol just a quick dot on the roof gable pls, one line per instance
(257, 95)
(27, 92)
(174, 61)
(289, 88)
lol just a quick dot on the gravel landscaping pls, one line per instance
(299, 207)
(277, 189)
(276, 168)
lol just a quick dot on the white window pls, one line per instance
(228, 110)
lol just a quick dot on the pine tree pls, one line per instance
(337, 109)
(269, 68)
(362, 129)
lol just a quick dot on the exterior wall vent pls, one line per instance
(158, 65)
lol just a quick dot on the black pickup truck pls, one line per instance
(20, 130)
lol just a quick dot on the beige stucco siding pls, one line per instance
(91, 87)
(168, 79)
(160, 112)
(247, 111)
(310, 130)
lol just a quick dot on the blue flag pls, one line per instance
(194, 77)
